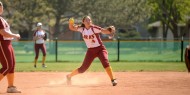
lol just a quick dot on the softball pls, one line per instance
(71, 21)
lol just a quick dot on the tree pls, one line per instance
(171, 13)
(60, 10)
(123, 14)
(24, 14)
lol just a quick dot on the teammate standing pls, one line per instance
(95, 47)
(39, 38)
(7, 57)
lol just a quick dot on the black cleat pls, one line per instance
(114, 82)
(44, 66)
(34, 66)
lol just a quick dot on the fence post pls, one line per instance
(118, 48)
(56, 49)
(182, 49)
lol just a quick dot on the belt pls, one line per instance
(95, 47)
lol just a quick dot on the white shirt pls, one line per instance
(89, 36)
(7, 29)
(40, 34)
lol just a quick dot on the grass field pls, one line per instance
(97, 67)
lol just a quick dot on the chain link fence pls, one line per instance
(119, 50)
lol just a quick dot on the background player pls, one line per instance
(39, 38)
(95, 46)
(7, 57)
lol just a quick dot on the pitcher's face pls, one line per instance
(87, 21)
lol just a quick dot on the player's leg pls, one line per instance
(43, 61)
(11, 88)
(73, 73)
(103, 56)
(10, 75)
(5, 59)
(8, 64)
(89, 57)
(43, 48)
(10, 79)
(2, 62)
(1, 76)
(36, 49)
(3, 66)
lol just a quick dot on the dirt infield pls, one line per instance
(97, 83)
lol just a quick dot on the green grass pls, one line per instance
(97, 67)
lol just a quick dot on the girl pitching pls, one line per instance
(90, 33)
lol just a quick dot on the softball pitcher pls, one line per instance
(39, 38)
(95, 47)
(7, 57)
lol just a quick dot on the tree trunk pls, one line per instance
(30, 32)
(57, 27)
(176, 37)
